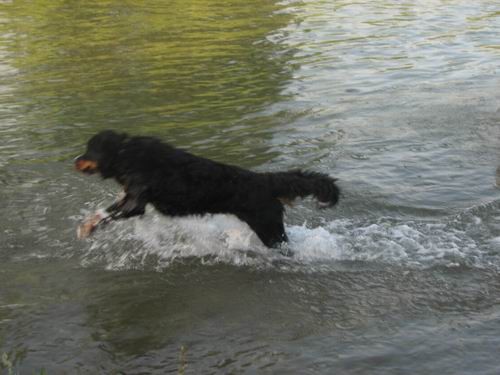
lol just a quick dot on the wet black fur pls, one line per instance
(178, 183)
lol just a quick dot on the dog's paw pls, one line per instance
(85, 229)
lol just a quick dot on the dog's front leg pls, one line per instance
(133, 203)
(100, 217)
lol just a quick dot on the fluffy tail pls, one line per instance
(287, 186)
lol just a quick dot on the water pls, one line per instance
(399, 100)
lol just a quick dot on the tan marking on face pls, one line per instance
(86, 165)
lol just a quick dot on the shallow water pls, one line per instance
(400, 101)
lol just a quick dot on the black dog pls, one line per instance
(178, 183)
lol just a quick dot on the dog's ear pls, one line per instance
(115, 140)
(104, 148)
(107, 141)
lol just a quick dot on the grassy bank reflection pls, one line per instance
(181, 70)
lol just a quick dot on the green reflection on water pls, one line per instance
(182, 70)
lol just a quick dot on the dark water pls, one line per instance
(399, 100)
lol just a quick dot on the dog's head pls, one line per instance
(102, 150)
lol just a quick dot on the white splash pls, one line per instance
(158, 241)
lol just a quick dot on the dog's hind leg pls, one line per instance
(271, 233)
(267, 223)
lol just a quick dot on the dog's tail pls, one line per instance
(286, 186)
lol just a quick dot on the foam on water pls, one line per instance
(409, 243)
(157, 241)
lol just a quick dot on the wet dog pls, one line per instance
(178, 183)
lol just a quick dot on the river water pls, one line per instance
(400, 100)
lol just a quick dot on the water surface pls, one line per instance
(399, 100)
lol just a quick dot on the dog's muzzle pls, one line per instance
(85, 165)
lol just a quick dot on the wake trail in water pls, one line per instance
(471, 239)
